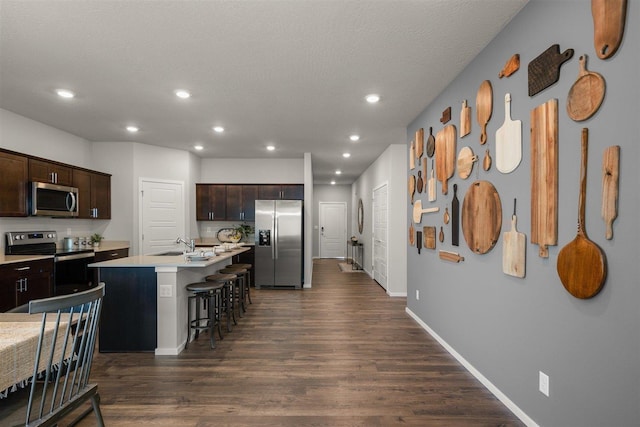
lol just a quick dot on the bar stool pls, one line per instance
(227, 282)
(239, 287)
(247, 278)
(211, 295)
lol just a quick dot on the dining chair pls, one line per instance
(65, 348)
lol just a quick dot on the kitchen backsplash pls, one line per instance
(64, 227)
(209, 229)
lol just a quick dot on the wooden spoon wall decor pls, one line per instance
(484, 108)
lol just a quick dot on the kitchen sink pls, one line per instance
(171, 253)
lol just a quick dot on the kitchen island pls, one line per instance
(145, 303)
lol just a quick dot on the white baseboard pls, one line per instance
(469, 367)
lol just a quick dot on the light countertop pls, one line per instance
(105, 245)
(167, 261)
(111, 245)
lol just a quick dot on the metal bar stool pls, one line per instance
(247, 281)
(211, 295)
(239, 287)
(227, 281)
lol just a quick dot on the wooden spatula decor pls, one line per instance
(465, 119)
(512, 65)
(610, 173)
(508, 141)
(418, 211)
(582, 266)
(514, 246)
(484, 108)
(608, 25)
(412, 186)
(432, 184)
(586, 94)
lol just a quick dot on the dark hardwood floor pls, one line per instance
(340, 354)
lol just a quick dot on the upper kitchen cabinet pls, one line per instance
(13, 188)
(281, 192)
(54, 173)
(211, 202)
(241, 202)
(94, 194)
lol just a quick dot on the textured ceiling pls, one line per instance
(291, 73)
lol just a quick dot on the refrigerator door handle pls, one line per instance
(275, 239)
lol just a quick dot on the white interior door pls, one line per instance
(380, 219)
(333, 229)
(162, 218)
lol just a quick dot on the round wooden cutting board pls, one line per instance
(481, 217)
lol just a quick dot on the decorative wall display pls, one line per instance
(610, 174)
(429, 233)
(446, 115)
(486, 161)
(432, 184)
(508, 140)
(419, 182)
(465, 162)
(481, 217)
(465, 119)
(514, 247)
(431, 143)
(419, 144)
(484, 108)
(511, 66)
(441, 235)
(412, 234)
(450, 256)
(544, 176)
(446, 217)
(455, 217)
(608, 25)
(582, 266)
(418, 211)
(419, 241)
(412, 155)
(544, 70)
(412, 186)
(586, 93)
(445, 155)
(424, 173)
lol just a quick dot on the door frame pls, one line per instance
(141, 181)
(346, 226)
(373, 240)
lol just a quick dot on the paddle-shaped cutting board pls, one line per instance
(412, 155)
(418, 211)
(508, 141)
(419, 144)
(514, 246)
(544, 70)
(484, 108)
(445, 155)
(586, 94)
(608, 25)
(544, 176)
(610, 173)
(432, 184)
(481, 217)
(465, 119)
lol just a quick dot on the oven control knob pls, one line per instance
(51, 235)
(22, 237)
(17, 237)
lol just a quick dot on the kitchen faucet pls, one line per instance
(191, 245)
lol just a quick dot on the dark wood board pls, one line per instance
(545, 69)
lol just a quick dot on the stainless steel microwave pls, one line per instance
(53, 200)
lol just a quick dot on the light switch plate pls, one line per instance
(165, 291)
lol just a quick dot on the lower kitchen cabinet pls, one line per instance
(22, 282)
(248, 257)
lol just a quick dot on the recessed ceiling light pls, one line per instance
(198, 147)
(333, 183)
(346, 155)
(64, 93)
(354, 138)
(271, 147)
(372, 98)
(133, 129)
(181, 93)
(218, 129)
(338, 172)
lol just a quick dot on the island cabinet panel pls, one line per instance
(94, 194)
(13, 188)
(44, 171)
(211, 202)
(25, 281)
(129, 311)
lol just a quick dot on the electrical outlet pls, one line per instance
(208, 229)
(165, 291)
(543, 383)
(417, 294)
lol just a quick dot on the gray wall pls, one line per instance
(507, 328)
(329, 193)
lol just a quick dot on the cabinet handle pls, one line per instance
(56, 177)
(22, 269)
(114, 254)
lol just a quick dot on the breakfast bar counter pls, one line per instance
(145, 303)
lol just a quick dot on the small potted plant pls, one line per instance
(96, 239)
(242, 231)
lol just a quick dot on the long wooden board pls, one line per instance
(610, 174)
(544, 176)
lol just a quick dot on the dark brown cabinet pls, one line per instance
(241, 202)
(94, 194)
(281, 192)
(211, 202)
(22, 282)
(44, 171)
(109, 255)
(13, 189)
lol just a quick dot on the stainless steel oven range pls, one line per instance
(70, 264)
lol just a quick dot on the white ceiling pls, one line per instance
(293, 73)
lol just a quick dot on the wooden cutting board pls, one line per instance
(484, 108)
(544, 176)
(465, 119)
(429, 233)
(455, 217)
(412, 186)
(608, 25)
(512, 65)
(582, 266)
(424, 173)
(445, 155)
(508, 141)
(431, 143)
(412, 234)
(412, 155)
(545, 69)
(466, 159)
(586, 94)
(514, 246)
(432, 184)
(610, 173)
(419, 144)
(481, 216)
(419, 182)
(450, 256)
(418, 211)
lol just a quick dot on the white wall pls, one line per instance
(390, 169)
(252, 171)
(330, 193)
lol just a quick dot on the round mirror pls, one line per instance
(360, 216)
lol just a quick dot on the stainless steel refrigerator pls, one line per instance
(278, 251)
